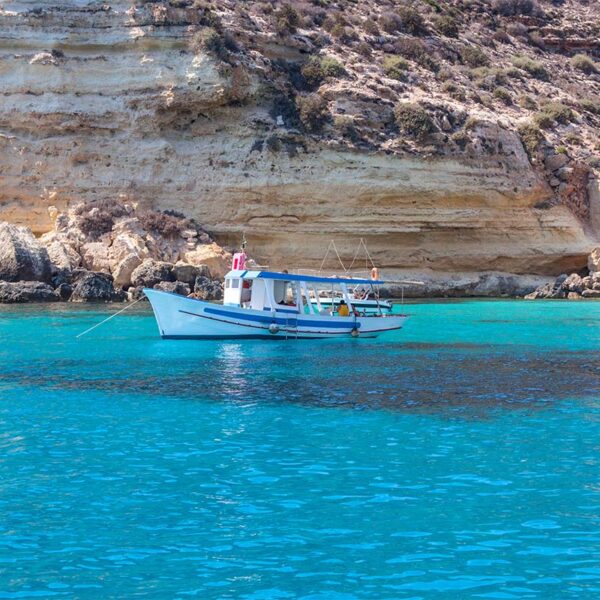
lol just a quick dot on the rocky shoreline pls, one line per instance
(108, 252)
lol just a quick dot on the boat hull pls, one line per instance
(179, 317)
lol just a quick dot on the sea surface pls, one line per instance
(458, 458)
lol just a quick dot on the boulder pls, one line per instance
(573, 283)
(211, 255)
(208, 289)
(591, 293)
(174, 287)
(64, 291)
(573, 296)
(126, 253)
(151, 272)
(135, 293)
(96, 257)
(187, 273)
(594, 260)
(555, 161)
(61, 250)
(91, 286)
(22, 257)
(26, 291)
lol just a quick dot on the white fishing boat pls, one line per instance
(269, 304)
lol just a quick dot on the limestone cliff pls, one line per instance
(209, 109)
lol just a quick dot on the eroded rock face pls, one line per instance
(22, 257)
(127, 110)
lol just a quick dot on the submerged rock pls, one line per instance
(22, 257)
(26, 291)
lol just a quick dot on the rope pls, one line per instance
(111, 317)
(332, 245)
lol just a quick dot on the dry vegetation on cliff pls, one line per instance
(506, 61)
(417, 76)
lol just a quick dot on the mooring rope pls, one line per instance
(111, 317)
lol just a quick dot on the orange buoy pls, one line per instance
(374, 273)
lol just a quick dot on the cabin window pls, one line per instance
(235, 283)
(280, 291)
(228, 283)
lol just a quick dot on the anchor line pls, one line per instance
(109, 318)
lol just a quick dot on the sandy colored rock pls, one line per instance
(593, 262)
(213, 256)
(22, 257)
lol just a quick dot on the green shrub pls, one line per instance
(450, 88)
(318, 69)
(390, 22)
(531, 136)
(583, 63)
(534, 68)
(573, 139)
(446, 25)
(413, 120)
(591, 105)
(474, 57)
(514, 8)
(395, 67)
(417, 51)
(560, 150)
(370, 27)
(501, 36)
(503, 95)
(552, 113)
(287, 19)
(313, 111)
(412, 21)
(527, 102)
(210, 41)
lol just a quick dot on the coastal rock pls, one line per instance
(212, 256)
(174, 287)
(63, 255)
(96, 257)
(593, 262)
(21, 255)
(208, 289)
(94, 287)
(591, 293)
(573, 283)
(127, 252)
(26, 291)
(151, 272)
(64, 291)
(187, 273)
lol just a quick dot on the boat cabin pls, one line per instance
(287, 292)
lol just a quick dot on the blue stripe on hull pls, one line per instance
(300, 322)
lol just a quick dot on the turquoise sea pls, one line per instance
(458, 458)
